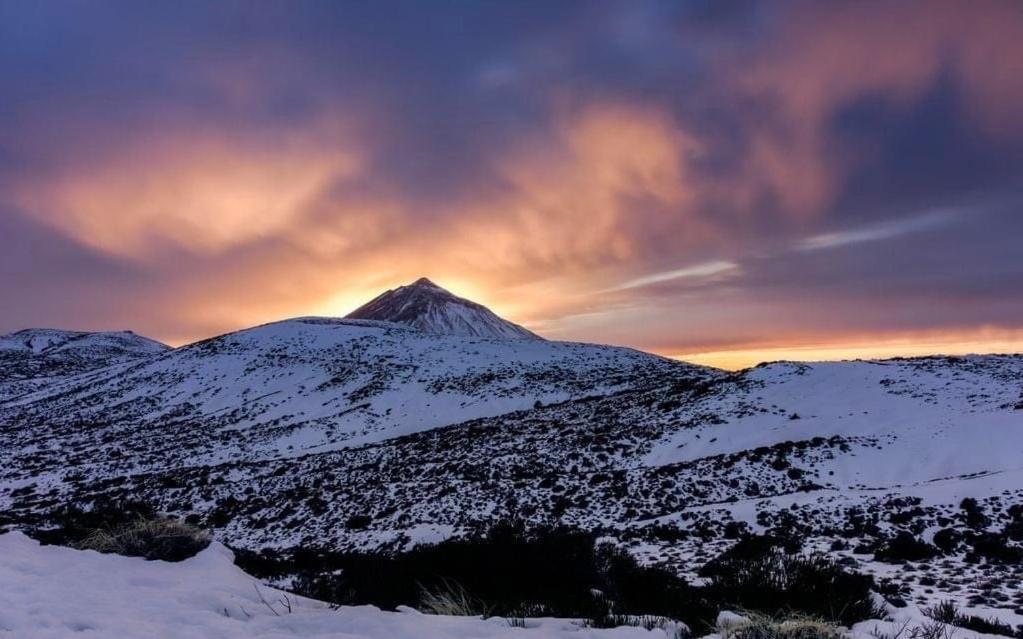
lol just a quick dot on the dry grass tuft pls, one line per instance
(160, 538)
(450, 598)
(756, 626)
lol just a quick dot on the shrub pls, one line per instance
(560, 572)
(753, 547)
(905, 547)
(974, 513)
(946, 612)
(70, 524)
(768, 580)
(1014, 530)
(994, 548)
(358, 522)
(508, 572)
(893, 592)
(631, 589)
(929, 630)
(160, 538)
(126, 527)
(947, 539)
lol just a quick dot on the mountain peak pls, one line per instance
(424, 281)
(425, 306)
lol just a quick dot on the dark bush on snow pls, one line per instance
(69, 525)
(358, 522)
(1014, 530)
(947, 612)
(760, 575)
(973, 513)
(905, 547)
(994, 548)
(508, 572)
(131, 528)
(762, 627)
(753, 547)
(513, 572)
(948, 539)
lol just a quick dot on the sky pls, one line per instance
(721, 181)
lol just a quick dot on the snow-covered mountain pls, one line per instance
(299, 387)
(30, 357)
(280, 434)
(429, 308)
(86, 349)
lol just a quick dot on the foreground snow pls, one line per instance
(49, 591)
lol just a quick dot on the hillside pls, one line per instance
(32, 358)
(298, 387)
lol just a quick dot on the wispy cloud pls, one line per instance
(696, 271)
(878, 232)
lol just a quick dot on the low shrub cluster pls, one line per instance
(508, 572)
(129, 528)
(760, 574)
(928, 630)
(946, 612)
(993, 548)
(70, 524)
(903, 547)
(516, 573)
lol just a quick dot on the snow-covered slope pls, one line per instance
(429, 308)
(100, 347)
(50, 592)
(957, 416)
(671, 460)
(34, 357)
(303, 386)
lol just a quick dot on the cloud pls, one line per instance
(197, 190)
(697, 271)
(827, 56)
(878, 232)
(579, 198)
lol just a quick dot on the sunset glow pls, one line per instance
(862, 348)
(791, 180)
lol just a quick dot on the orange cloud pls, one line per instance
(202, 191)
(231, 209)
(583, 198)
